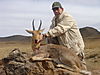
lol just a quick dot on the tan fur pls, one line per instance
(1, 62)
(36, 38)
(63, 56)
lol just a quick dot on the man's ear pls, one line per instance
(29, 31)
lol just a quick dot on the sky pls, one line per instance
(16, 15)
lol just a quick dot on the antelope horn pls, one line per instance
(33, 24)
(40, 25)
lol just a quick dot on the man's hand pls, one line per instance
(44, 36)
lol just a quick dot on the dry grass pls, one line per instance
(6, 47)
(92, 51)
(93, 58)
(92, 43)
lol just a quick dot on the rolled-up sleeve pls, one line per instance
(62, 27)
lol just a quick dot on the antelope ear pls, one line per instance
(42, 30)
(29, 31)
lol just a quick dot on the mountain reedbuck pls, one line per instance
(36, 36)
(61, 55)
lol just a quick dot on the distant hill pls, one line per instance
(87, 32)
(16, 38)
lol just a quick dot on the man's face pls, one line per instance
(57, 11)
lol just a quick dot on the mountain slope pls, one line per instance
(16, 38)
(87, 32)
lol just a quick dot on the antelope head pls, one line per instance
(36, 36)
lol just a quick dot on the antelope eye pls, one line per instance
(39, 33)
(32, 33)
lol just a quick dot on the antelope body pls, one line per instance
(57, 53)
(61, 55)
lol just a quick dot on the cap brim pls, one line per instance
(55, 7)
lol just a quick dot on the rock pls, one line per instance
(2, 70)
(19, 63)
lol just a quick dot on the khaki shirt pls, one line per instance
(67, 32)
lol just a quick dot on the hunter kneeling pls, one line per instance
(64, 29)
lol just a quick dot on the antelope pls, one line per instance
(63, 56)
(36, 36)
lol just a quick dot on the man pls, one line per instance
(65, 30)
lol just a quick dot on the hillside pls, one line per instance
(87, 32)
(15, 38)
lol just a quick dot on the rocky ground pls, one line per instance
(92, 53)
(19, 63)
